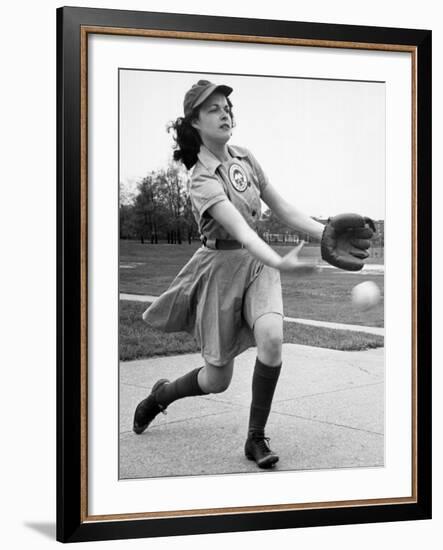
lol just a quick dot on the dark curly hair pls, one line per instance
(186, 137)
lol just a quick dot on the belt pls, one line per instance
(221, 244)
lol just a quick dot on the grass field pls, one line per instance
(137, 340)
(149, 269)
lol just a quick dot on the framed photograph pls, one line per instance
(243, 242)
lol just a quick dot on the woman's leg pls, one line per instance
(199, 381)
(212, 379)
(268, 331)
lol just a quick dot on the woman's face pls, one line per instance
(214, 122)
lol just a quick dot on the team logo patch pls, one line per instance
(237, 177)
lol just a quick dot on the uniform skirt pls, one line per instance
(217, 297)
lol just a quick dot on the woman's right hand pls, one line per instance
(290, 263)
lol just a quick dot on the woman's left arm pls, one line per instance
(291, 215)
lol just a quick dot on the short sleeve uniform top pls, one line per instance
(240, 180)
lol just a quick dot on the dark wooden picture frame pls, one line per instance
(73, 26)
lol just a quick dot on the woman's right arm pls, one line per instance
(230, 218)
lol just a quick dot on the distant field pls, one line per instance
(149, 269)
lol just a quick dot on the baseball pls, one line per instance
(365, 295)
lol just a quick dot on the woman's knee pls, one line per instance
(269, 338)
(271, 347)
(216, 379)
(218, 386)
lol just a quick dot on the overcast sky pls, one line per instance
(321, 142)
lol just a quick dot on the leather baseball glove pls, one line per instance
(346, 239)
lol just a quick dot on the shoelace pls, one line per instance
(161, 408)
(263, 442)
(159, 405)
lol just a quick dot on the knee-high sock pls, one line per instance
(185, 386)
(264, 381)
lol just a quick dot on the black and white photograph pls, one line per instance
(251, 273)
(242, 229)
(219, 318)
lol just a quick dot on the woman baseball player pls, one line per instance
(229, 294)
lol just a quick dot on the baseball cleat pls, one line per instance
(148, 409)
(257, 448)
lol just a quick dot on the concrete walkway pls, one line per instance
(325, 324)
(328, 412)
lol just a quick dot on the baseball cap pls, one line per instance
(200, 92)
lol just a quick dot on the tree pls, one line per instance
(127, 221)
(174, 185)
(149, 214)
(161, 207)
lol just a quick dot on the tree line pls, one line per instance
(160, 211)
